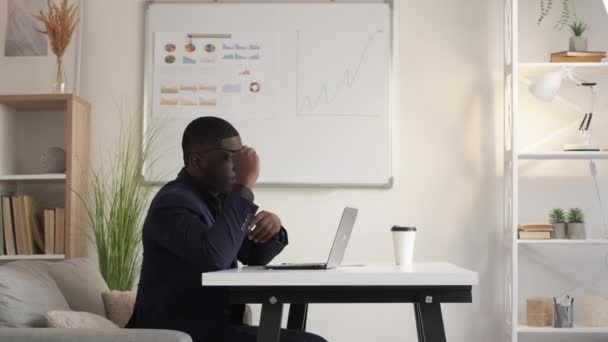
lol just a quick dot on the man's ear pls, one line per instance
(197, 161)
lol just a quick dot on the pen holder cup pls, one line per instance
(563, 316)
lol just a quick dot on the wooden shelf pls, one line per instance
(35, 177)
(550, 330)
(30, 123)
(41, 101)
(563, 155)
(32, 257)
(563, 242)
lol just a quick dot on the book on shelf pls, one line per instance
(59, 230)
(5, 236)
(33, 224)
(9, 228)
(578, 57)
(537, 227)
(49, 231)
(535, 231)
(2, 247)
(28, 231)
(524, 235)
(25, 244)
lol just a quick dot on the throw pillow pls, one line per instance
(77, 320)
(27, 292)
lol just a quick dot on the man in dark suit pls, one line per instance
(205, 221)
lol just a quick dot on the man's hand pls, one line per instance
(246, 166)
(264, 227)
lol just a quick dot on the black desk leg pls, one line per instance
(297, 317)
(429, 322)
(270, 323)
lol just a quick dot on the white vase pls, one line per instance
(578, 44)
(53, 160)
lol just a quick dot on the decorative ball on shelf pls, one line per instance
(53, 160)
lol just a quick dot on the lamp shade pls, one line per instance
(606, 5)
(546, 87)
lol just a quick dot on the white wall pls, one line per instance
(448, 143)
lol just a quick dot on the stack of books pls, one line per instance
(535, 231)
(578, 57)
(21, 231)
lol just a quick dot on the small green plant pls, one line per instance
(568, 11)
(575, 215)
(577, 28)
(557, 215)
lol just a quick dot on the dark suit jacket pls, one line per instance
(188, 232)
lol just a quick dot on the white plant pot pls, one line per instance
(578, 44)
(576, 231)
(559, 231)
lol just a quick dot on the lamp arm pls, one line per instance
(574, 79)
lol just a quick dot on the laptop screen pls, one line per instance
(345, 229)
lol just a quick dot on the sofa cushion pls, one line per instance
(119, 306)
(81, 284)
(27, 293)
(78, 320)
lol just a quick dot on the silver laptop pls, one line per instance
(337, 250)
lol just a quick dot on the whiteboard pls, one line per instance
(306, 85)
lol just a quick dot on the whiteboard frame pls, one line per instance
(147, 87)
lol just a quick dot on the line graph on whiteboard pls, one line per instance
(341, 73)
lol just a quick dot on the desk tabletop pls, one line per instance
(423, 274)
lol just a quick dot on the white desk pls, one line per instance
(427, 286)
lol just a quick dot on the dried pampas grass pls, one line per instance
(60, 22)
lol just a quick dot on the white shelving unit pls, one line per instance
(515, 156)
(590, 242)
(524, 329)
(559, 155)
(583, 70)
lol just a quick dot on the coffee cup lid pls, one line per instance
(403, 229)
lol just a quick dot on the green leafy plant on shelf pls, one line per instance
(557, 215)
(575, 215)
(577, 28)
(120, 200)
(568, 12)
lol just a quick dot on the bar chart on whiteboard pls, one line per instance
(231, 74)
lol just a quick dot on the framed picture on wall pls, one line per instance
(27, 63)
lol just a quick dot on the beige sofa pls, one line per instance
(29, 289)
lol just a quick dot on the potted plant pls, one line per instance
(557, 217)
(120, 200)
(577, 41)
(576, 224)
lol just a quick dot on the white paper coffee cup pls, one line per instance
(404, 239)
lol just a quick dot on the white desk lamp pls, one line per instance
(546, 87)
